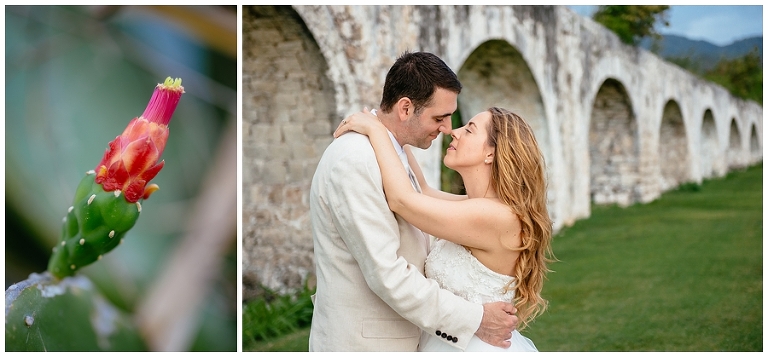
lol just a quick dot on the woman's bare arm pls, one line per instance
(425, 188)
(474, 223)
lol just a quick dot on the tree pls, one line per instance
(632, 22)
(742, 76)
(689, 63)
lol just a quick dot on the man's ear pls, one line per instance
(404, 108)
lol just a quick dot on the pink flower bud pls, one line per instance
(131, 160)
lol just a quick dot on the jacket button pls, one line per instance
(438, 332)
(449, 338)
(455, 339)
(443, 335)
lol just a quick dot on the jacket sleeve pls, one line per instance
(370, 231)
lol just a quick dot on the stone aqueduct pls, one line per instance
(617, 124)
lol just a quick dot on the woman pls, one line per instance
(492, 244)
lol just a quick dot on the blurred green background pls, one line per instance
(75, 77)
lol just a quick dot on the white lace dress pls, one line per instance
(458, 271)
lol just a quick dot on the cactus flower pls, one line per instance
(131, 160)
(99, 218)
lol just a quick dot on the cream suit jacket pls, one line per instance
(371, 291)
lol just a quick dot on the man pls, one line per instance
(371, 291)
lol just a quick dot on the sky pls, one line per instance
(718, 24)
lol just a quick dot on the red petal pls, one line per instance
(117, 175)
(151, 172)
(109, 153)
(159, 135)
(139, 156)
(135, 129)
(134, 191)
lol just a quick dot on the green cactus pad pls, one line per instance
(47, 314)
(94, 225)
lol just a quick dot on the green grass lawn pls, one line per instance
(682, 273)
(297, 341)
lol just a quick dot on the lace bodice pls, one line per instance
(458, 271)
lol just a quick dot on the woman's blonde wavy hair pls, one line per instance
(518, 177)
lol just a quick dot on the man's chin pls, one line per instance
(424, 145)
(427, 143)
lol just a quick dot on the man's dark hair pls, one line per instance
(417, 75)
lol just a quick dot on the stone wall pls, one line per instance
(288, 107)
(673, 148)
(709, 145)
(616, 123)
(613, 145)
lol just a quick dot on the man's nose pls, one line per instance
(445, 130)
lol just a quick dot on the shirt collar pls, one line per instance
(398, 147)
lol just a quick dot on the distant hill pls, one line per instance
(705, 53)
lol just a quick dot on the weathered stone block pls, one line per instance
(275, 172)
(318, 127)
(294, 133)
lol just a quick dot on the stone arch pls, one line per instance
(612, 68)
(613, 146)
(754, 144)
(709, 145)
(287, 123)
(496, 74)
(673, 147)
(734, 146)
